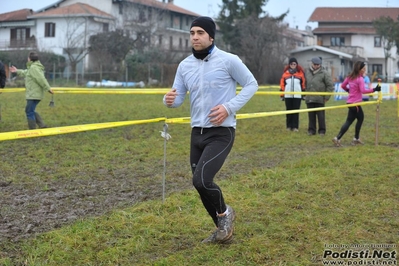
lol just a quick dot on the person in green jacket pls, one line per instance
(35, 84)
(317, 80)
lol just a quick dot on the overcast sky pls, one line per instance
(299, 14)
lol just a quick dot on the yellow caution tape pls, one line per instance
(263, 114)
(180, 120)
(71, 129)
(60, 90)
(11, 90)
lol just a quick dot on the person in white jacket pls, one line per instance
(210, 76)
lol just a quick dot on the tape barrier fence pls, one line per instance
(60, 90)
(181, 120)
(71, 129)
(165, 90)
(264, 114)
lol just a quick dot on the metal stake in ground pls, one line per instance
(166, 137)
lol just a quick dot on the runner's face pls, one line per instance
(199, 38)
(363, 70)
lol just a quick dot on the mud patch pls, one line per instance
(33, 208)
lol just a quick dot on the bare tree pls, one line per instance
(109, 50)
(262, 47)
(389, 31)
(75, 41)
(147, 27)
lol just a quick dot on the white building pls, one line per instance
(65, 27)
(350, 31)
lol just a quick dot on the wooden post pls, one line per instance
(397, 95)
(377, 120)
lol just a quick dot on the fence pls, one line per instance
(79, 128)
(149, 74)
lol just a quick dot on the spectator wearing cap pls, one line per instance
(317, 80)
(292, 80)
(211, 76)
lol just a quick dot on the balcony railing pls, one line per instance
(356, 51)
(17, 44)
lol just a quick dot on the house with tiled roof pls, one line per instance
(16, 30)
(69, 26)
(350, 30)
(166, 24)
(66, 25)
(294, 37)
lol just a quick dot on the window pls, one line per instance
(377, 68)
(19, 37)
(377, 41)
(49, 30)
(171, 42)
(181, 23)
(337, 41)
(142, 17)
(176, 23)
(120, 9)
(160, 40)
(187, 44)
(105, 27)
(180, 43)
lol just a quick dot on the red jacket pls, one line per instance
(292, 82)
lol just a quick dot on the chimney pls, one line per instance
(170, 1)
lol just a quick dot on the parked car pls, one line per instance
(396, 78)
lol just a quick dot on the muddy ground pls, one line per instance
(31, 209)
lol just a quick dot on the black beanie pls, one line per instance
(292, 60)
(207, 24)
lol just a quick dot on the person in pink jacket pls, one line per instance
(354, 85)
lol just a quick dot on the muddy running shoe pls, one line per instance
(211, 238)
(356, 141)
(337, 142)
(225, 229)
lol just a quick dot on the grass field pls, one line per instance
(95, 197)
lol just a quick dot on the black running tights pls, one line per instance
(209, 150)
(354, 112)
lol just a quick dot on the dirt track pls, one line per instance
(34, 208)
